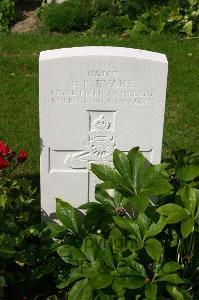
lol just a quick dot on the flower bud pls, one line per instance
(22, 156)
(3, 163)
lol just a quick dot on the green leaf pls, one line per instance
(43, 270)
(188, 196)
(156, 228)
(152, 172)
(143, 222)
(72, 277)
(151, 291)
(128, 225)
(158, 186)
(71, 255)
(122, 165)
(137, 267)
(95, 247)
(174, 212)
(117, 240)
(188, 173)
(104, 198)
(188, 28)
(81, 291)
(153, 248)
(137, 161)
(104, 252)
(139, 202)
(107, 174)
(67, 215)
(128, 266)
(169, 267)
(2, 281)
(54, 229)
(187, 226)
(90, 248)
(174, 278)
(175, 293)
(129, 282)
(3, 200)
(101, 280)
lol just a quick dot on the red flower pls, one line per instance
(3, 163)
(4, 149)
(22, 156)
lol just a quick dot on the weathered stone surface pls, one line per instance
(92, 100)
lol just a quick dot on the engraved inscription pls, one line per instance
(102, 87)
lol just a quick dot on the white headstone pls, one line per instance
(92, 100)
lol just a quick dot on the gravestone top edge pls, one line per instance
(102, 51)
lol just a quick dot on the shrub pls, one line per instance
(185, 19)
(125, 246)
(105, 23)
(6, 14)
(102, 5)
(68, 16)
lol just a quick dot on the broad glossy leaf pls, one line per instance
(122, 165)
(81, 290)
(153, 248)
(139, 202)
(67, 215)
(156, 228)
(151, 173)
(188, 173)
(137, 161)
(151, 291)
(138, 267)
(90, 248)
(104, 198)
(128, 225)
(120, 200)
(104, 252)
(187, 226)
(71, 255)
(175, 212)
(158, 186)
(90, 206)
(176, 217)
(101, 280)
(169, 267)
(54, 229)
(174, 278)
(129, 282)
(188, 196)
(95, 247)
(73, 276)
(143, 222)
(117, 241)
(125, 270)
(107, 174)
(175, 293)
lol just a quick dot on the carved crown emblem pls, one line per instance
(101, 123)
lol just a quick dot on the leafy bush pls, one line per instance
(130, 247)
(185, 19)
(138, 240)
(67, 16)
(102, 5)
(6, 14)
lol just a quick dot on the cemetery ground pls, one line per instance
(19, 54)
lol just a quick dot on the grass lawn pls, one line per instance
(19, 119)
